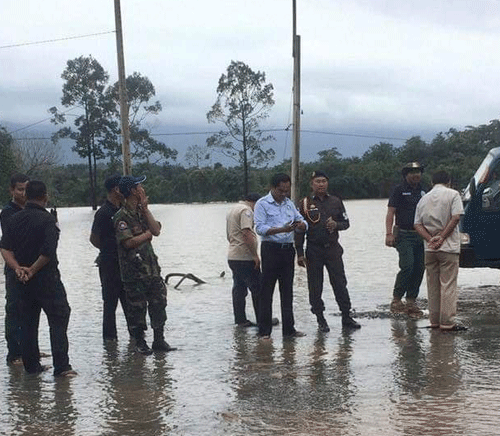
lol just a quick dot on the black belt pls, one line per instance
(320, 244)
(279, 245)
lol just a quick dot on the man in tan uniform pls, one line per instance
(436, 221)
(243, 258)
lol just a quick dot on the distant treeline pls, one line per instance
(373, 175)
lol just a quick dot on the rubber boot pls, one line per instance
(322, 324)
(140, 343)
(159, 343)
(348, 322)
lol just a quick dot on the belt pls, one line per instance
(320, 244)
(279, 245)
(407, 231)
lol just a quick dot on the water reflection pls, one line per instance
(390, 378)
(138, 393)
(280, 389)
(39, 407)
(428, 372)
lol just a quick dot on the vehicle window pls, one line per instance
(491, 193)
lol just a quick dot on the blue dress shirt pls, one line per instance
(269, 213)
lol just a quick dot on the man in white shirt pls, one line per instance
(436, 220)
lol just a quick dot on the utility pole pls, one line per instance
(296, 108)
(127, 161)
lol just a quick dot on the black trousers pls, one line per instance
(112, 292)
(318, 257)
(277, 266)
(245, 277)
(12, 317)
(45, 293)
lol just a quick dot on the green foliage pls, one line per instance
(243, 101)
(372, 175)
(7, 164)
(143, 146)
(83, 89)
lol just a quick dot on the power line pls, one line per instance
(38, 122)
(354, 135)
(56, 40)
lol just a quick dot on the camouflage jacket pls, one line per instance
(135, 263)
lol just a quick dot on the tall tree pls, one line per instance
(85, 81)
(243, 101)
(7, 163)
(140, 92)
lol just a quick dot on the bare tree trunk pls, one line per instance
(245, 158)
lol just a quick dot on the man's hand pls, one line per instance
(143, 198)
(22, 274)
(331, 225)
(301, 261)
(256, 261)
(300, 225)
(435, 242)
(390, 240)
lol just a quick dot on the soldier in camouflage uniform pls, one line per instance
(145, 290)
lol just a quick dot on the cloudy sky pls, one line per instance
(383, 69)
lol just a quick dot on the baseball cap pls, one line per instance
(128, 182)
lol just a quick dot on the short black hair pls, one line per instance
(280, 178)
(441, 177)
(36, 190)
(251, 196)
(112, 182)
(18, 178)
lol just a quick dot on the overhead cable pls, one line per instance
(56, 40)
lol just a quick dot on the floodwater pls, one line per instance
(392, 377)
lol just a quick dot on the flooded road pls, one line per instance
(392, 377)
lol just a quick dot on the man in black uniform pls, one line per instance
(402, 205)
(103, 237)
(29, 247)
(326, 216)
(17, 190)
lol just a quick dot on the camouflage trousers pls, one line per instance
(146, 295)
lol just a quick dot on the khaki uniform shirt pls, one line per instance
(135, 263)
(240, 217)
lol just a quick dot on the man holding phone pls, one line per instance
(276, 220)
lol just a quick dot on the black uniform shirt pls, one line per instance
(34, 232)
(8, 210)
(317, 233)
(104, 228)
(405, 199)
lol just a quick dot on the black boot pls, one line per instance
(348, 322)
(322, 324)
(159, 343)
(140, 343)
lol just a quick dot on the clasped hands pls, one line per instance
(24, 274)
(435, 242)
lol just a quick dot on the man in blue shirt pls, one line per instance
(276, 219)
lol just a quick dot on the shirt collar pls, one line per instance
(315, 197)
(31, 205)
